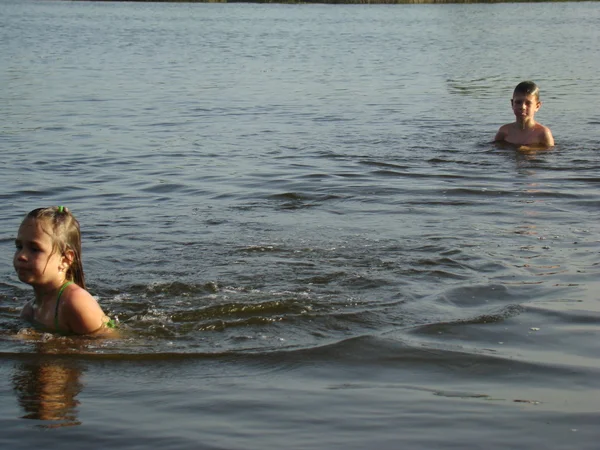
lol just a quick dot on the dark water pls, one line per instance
(299, 220)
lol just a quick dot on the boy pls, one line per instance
(525, 132)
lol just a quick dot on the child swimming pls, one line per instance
(48, 257)
(525, 132)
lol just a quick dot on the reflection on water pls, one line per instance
(47, 388)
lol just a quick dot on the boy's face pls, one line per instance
(525, 106)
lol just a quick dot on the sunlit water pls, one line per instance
(298, 217)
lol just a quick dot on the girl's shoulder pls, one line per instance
(27, 311)
(74, 292)
(80, 311)
(74, 297)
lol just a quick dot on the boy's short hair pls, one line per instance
(527, 88)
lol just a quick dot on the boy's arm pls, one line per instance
(501, 134)
(548, 139)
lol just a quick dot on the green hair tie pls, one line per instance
(61, 209)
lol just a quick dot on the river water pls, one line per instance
(298, 217)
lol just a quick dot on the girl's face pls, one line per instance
(34, 261)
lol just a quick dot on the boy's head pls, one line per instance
(527, 88)
(525, 101)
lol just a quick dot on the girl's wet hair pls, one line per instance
(63, 228)
(528, 88)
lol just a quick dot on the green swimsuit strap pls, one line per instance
(60, 291)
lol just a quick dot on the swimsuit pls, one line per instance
(110, 324)
(40, 326)
(60, 291)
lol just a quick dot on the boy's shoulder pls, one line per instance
(505, 130)
(538, 128)
(541, 128)
(545, 135)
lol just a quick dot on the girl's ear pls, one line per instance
(68, 257)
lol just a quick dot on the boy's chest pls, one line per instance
(523, 137)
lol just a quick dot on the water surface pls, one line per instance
(298, 217)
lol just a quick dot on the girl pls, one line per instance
(48, 257)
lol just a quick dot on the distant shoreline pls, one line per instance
(351, 2)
